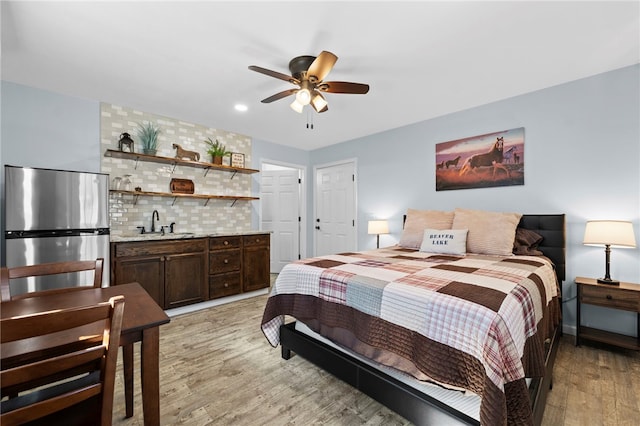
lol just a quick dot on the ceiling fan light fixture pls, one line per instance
(303, 96)
(296, 106)
(319, 103)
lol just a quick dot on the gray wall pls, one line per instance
(582, 150)
(47, 130)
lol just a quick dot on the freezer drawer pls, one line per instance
(31, 251)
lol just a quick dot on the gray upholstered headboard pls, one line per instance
(552, 229)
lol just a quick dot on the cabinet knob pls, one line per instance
(226, 261)
(226, 285)
(609, 297)
(226, 243)
(257, 240)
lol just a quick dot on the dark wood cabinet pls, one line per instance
(185, 271)
(148, 271)
(225, 264)
(185, 279)
(255, 262)
(173, 272)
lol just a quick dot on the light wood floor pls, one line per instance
(217, 368)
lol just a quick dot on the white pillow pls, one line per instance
(418, 221)
(490, 233)
(446, 241)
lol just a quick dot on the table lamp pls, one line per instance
(609, 233)
(377, 227)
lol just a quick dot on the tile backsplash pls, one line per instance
(190, 215)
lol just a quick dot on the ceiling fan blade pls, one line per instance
(343, 87)
(280, 95)
(275, 74)
(321, 66)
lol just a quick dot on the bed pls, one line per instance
(370, 319)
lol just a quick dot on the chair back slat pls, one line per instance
(52, 322)
(50, 406)
(52, 366)
(52, 268)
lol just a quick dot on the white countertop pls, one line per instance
(178, 236)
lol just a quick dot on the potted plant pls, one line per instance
(216, 150)
(148, 134)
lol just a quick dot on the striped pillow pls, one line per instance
(489, 232)
(419, 220)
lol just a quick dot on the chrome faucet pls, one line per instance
(154, 216)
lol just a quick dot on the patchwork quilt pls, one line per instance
(472, 322)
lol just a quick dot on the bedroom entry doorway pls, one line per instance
(282, 195)
(335, 208)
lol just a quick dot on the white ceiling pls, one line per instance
(188, 60)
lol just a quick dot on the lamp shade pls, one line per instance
(378, 227)
(615, 233)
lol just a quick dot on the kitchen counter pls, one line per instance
(178, 236)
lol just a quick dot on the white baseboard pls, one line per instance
(215, 302)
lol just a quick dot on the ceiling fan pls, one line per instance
(308, 73)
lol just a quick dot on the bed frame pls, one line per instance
(415, 406)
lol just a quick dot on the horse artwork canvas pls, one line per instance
(489, 160)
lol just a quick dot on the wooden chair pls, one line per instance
(50, 401)
(52, 268)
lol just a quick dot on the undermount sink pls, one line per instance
(179, 234)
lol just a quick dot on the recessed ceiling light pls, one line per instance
(241, 107)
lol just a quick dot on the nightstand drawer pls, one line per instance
(613, 297)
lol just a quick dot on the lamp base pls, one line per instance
(608, 281)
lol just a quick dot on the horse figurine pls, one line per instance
(183, 153)
(491, 158)
(453, 162)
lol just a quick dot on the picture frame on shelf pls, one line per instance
(237, 159)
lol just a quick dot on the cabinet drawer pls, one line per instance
(613, 298)
(224, 285)
(146, 248)
(224, 261)
(221, 243)
(256, 240)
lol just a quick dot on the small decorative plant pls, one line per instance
(148, 134)
(216, 150)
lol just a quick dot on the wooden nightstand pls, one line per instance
(625, 296)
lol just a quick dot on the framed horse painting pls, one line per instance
(493, 159)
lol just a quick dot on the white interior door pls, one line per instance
(335, 209)
(280, 195)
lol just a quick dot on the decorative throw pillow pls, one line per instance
(526, 242)
(447, 241)
(419, 220)
(489, 232)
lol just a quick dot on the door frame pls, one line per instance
(354, 162)
(303, 200)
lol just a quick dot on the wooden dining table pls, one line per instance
(141, 323)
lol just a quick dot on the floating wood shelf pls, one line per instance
(177, 161)
(175, 196)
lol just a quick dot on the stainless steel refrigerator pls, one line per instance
(55, 215)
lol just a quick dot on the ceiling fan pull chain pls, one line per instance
(309, 119)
